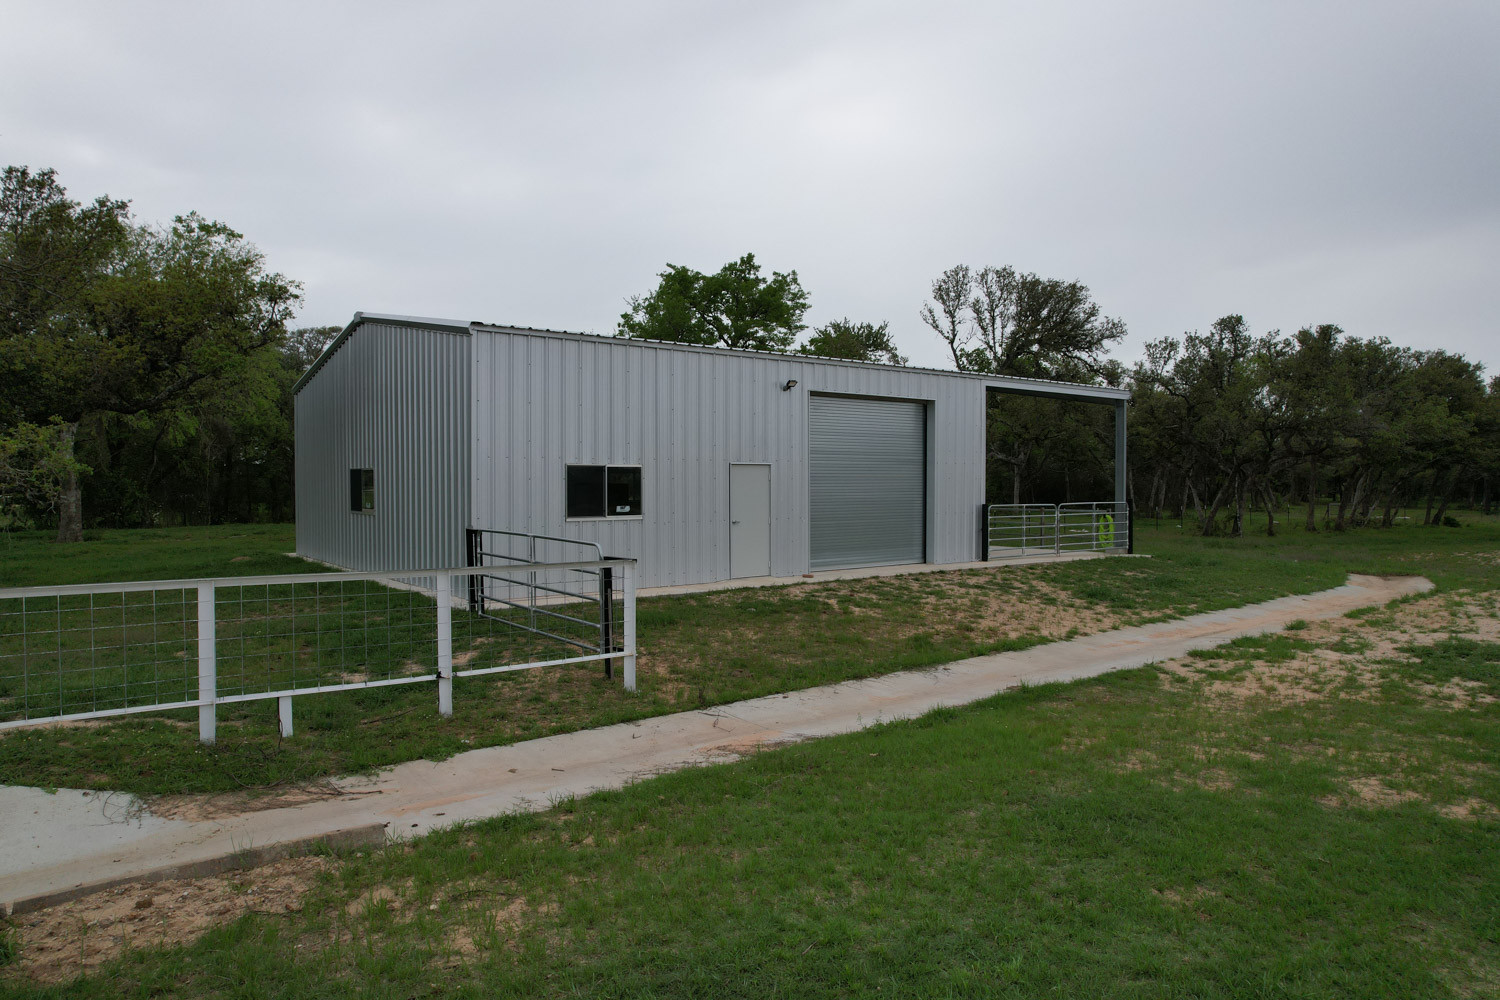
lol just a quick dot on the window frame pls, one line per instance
(607, 468)
(358, 489)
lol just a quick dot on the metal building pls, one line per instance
(703, 463)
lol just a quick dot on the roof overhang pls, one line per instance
(1058, 390)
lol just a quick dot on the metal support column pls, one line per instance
(607, 617)
(627, 586)
(474, 541)
(444, 588)
(1120, 457)
(208, 665)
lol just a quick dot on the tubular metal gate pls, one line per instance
(1027, 529)
(109, 649)
(577, 610)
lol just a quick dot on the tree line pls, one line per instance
(146, 369)
(1351, 430)
(146, 378)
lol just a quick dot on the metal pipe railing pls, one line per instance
(1027, 529)
(485, 554)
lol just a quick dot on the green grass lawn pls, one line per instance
(33, 559)
(1180, 832)
(696, 650)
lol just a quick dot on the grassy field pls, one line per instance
(33, 559)
(696, 650)
(1307, 814)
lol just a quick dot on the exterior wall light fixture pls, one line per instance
(791, 383)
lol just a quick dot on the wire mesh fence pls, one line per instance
(1028, 529)
(71, 654)
(111, 649)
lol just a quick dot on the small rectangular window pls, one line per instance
(604, 491)
(622, 492)
(585, 491)
(362, 490)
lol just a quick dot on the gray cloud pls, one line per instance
(1297, 163)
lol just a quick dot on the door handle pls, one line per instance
(734, 522)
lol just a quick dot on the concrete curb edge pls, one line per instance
(370, 835)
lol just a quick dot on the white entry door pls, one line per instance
(749, 520)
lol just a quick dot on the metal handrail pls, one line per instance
(1091, 526)
(532, 538)
(480, 598)
(1094, 526)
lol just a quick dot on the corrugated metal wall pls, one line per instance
(546, 401)
(396, 400)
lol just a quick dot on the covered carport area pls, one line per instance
(1088, 510)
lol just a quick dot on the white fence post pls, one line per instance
(208, 666)
(627, 573)
(284, 715)
(444, 590)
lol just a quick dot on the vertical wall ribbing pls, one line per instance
(395, 400)
(684, 416)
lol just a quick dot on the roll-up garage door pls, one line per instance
(869, 481)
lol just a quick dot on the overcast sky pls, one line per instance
(536, 164)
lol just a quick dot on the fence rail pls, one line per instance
(1028, 529)
(110, 649)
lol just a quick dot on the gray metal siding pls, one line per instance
(543, 401)
(396, 400)
(868, 474)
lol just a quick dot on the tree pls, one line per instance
(1453, 391)
(843, 338)
(104, 317)
(950, 290)
(1001, 322)
(36, 463)
(304, 345)
(1488, 451)
(223, 452)
(1213, 386)
(734, 307)
(1314, 382)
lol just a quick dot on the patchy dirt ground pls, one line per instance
(64, 941)
(193, 808)
(961, 602)
(972, 607)
(1347, 658)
